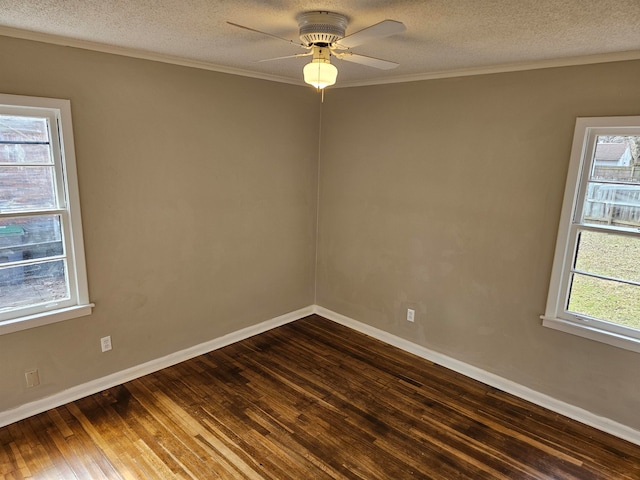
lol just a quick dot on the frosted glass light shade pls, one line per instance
(320, 73)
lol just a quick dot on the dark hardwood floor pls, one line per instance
(309, 400)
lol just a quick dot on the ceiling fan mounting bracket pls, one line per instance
(321, 27)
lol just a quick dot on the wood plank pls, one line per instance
(311, 399)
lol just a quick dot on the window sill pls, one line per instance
(592, 333)
(45, 318)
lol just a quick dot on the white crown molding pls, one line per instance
(503, 68)
(601, 423)
(186, 62)
(118, 378)
(141, 54)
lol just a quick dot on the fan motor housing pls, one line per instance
(321, 27)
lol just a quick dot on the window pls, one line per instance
(42, 268)
(595, 283)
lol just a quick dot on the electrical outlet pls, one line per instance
(411, 315)
(32, 378)
(105, 343)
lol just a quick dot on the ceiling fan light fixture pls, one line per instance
(320, 73)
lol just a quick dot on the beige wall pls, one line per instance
(445, 196)
(198, 193)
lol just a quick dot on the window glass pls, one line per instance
(23, 153)
(33, 284)
(26, 188)
(20, 129)
(608, 254)
(607, 300)
(613, 189)
(29, 238)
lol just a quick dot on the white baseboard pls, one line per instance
(94, 386)
(607, 425)
(601, 423)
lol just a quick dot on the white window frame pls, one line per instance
(58, 111)
(556, 315)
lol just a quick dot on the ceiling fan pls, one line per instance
(323, 35)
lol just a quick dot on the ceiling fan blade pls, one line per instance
(267, 34)
(368, 61)
(379, 30)
(288, 56)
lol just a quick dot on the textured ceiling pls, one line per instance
(443, 37)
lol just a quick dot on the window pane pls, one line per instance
(15, 153)
(28, 238)
(15, 129)
(613, 189)
(612, 204)
(26, 188)
(615, 158)
(605, 300)
(28, 285)
(609, 255)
